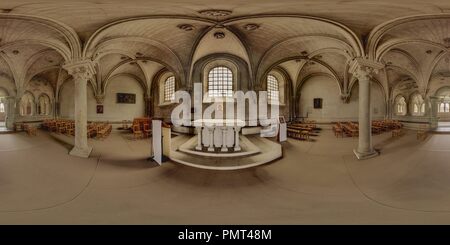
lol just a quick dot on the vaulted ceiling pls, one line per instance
(316, 36)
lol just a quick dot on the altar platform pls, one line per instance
(254, 151)
(247, 148)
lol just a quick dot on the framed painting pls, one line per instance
(317, 103)
(99, 109)
(124, 98)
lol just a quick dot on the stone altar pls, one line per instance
(220, 133)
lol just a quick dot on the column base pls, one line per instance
(237, 148)
(365, 155)
(81, 152)
(199, 148)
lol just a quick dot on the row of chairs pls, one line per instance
(302, 130)
(99, 130)
(378, 126)
(140, 133)
(67, 127)
(346, 128)
(59, 126)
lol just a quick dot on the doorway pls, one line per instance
(443, 112)
(3, 113)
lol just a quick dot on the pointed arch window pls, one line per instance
(400, 106)
(220, 82)
(44, 105)
(418, 105)
(169, 89)
(27, 106)
(273, 89)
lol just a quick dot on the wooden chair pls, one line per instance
(31, 130)
(338, 131)
(304, 134)
(396, 132)
(137, 132)
(52, 126)
(421, 134)
(147, 130)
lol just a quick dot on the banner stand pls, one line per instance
(157, 143)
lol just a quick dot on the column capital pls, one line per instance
(80, 69)
(99, 98)
(345, 97)
(363, 68)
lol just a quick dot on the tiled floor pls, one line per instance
(317, 182)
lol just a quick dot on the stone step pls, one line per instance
(269, 151)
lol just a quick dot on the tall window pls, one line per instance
(2, 107)
(169, 89)
(444, 107)
(416, 108)
(44, 105)
(401, 106)
(27, 105)
(220, 82)
(418, 105)
(273, 93)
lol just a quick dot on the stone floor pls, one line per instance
(317, 182)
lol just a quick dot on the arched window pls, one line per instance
(400, 106)
(2, 107)
(418, 105)
(169, 89)
(416, 108)
(44, 105)
(273, 89)
(27, 105)
(441, 107)
(220, 82)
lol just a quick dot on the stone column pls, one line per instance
(199, 139)
(224, 139)
(81, 72)
(211, 138)
(362, 69)
(237, 147)
(10, 106)
(433, 112)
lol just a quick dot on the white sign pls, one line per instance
(157, 141)
(282, 133)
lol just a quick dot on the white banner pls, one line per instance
(283, 132)
(156, 141)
